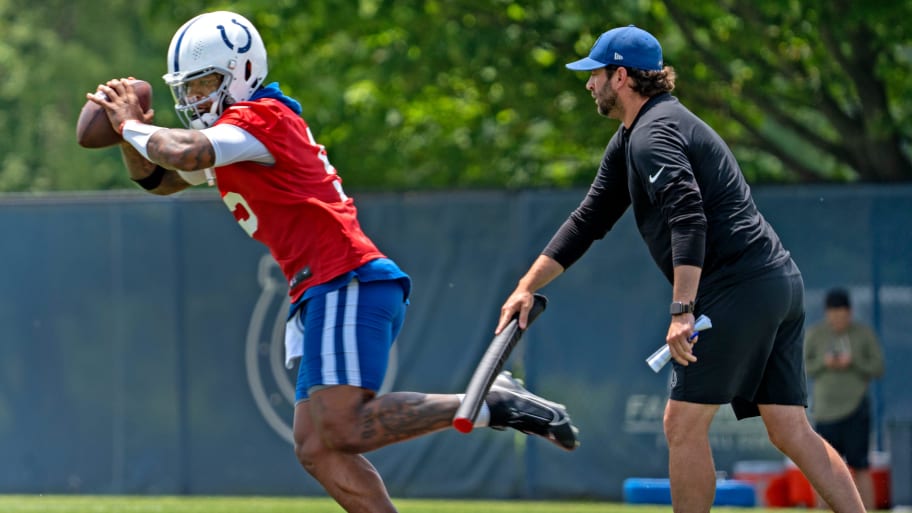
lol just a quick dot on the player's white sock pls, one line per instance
(484, 413)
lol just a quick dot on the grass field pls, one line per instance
(118, 504)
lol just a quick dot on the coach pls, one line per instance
(695, 212)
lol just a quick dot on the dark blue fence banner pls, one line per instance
(141, 340)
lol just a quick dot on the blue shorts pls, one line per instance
(348, 334)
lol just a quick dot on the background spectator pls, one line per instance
(842, 357)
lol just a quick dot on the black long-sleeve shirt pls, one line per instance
(691, 202)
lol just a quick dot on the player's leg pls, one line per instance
(790, 431)
(347, 335)
(346, 344)
(352, 420)
(347, 338)
(690, 463)
(350, 479)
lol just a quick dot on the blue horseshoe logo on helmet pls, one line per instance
(242, 49)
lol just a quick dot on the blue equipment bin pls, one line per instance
(729, 492)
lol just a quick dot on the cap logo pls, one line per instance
(618, 57)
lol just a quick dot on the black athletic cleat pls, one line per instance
(512, 406)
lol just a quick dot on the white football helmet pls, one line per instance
(219, 42)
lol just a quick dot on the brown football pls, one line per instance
(93, 130)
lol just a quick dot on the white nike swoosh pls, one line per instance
(653, 178)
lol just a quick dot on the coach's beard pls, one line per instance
(606, 100)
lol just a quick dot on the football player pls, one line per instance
(247, 138)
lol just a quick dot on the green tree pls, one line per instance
(473, 93)
(51, 54)
(438, 95)
(821, 87)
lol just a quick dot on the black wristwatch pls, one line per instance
(680, 307)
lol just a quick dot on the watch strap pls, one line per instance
(680, 307)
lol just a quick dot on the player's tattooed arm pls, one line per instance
(187, 150)
(142, 171)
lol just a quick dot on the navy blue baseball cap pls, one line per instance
(630, 47)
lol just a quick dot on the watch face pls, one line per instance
(679, 308)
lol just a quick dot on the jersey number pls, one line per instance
(245, 215)
(242, 212)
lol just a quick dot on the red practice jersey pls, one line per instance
(296, 207)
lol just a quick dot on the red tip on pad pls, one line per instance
(463, 425)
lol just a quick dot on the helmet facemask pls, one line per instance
(194, 107)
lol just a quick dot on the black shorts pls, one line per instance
(754, 353)
(851, 436)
